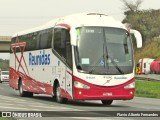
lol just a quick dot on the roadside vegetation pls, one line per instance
(151, 49)
(147, 23)
(4, 64)
(3, 118)
(149, 89)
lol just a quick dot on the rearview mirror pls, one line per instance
(138, 37)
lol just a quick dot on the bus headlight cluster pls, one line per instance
(131, 85)
(80, 85)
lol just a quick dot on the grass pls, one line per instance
(3, 118)
(150, 89)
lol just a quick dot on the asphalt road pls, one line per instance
(77, 110)
(149, 77)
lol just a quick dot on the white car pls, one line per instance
(4, 76)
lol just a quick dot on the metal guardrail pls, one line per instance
(148, 77)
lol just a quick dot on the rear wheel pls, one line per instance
(58, 95)
(23, 93)
(107, 102)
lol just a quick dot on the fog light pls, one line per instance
(131, 92)
(80, 92)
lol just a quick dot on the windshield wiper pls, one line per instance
(115, 64)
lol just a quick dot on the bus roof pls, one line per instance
(77, 20)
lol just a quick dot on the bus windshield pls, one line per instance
(104, 50)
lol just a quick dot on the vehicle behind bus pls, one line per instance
(4, 76)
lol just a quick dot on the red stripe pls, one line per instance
(64, 25)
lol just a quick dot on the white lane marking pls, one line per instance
(6, 104)
(18, 108)
(31, 106)
(10, 98)
(45, 107)
(23, 102)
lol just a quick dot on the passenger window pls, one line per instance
(62, 46)
(60, 41)
(43, 39)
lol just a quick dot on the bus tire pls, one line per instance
(106, 102)
(59, 99)
(29, 94)
(22, 93)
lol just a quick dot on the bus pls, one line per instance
(86, 56)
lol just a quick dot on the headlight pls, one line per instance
(131, 85)
(80, 85)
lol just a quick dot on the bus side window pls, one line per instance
(59, 42)
(68, 50)
(62, 46)
(50, 34)
(43, 39)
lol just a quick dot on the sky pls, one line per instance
(18, 15)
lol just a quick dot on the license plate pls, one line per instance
(107, 94)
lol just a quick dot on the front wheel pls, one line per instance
(107, 102)
(59, 99)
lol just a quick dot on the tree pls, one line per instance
(145, 21)
(131, 6)
(4, 64)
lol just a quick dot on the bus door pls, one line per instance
(69, 82)
(63, 47)
(68, 65)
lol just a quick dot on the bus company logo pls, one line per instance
(90, 77)
(41, 59)
(107, 77)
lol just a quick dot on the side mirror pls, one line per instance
(138, 37)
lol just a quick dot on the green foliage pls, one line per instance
(146, 88)
(145, 21)
(3, 118)
(151, 49)
(4, 64)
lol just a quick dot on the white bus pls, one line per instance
(86, 56)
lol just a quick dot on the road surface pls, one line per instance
(77, 110)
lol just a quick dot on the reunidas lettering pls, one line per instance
(41, 59)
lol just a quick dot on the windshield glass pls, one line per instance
(104, 50)
(5, 73)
